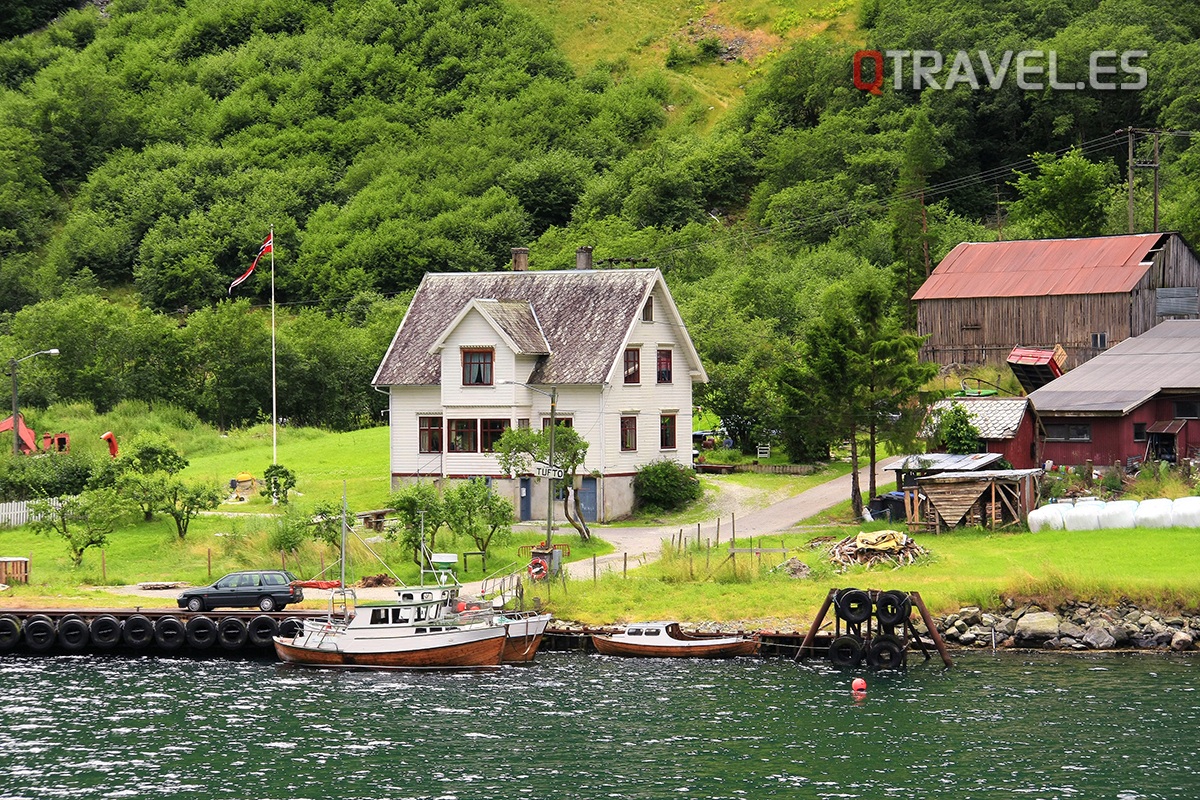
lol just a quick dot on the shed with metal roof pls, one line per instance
(1085, 294)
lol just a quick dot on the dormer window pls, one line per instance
(477, 367)
(633, 365)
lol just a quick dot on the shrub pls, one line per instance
(666, 485)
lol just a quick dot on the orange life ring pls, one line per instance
(538, 568)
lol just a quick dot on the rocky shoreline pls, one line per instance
(1076, 626)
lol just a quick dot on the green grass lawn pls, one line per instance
(965, 567)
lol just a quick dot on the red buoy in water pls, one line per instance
(858, 685)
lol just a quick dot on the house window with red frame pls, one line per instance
(664, 366)
(666, 432)
(430, 434)
(633, 365)
(490, 431)
(464, 435)
(477, 367)
(628, 433)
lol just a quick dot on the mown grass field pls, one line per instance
(638, 36)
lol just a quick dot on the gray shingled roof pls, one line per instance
(584, 315)
(1166, 357)
(993, 417)
(517, 319)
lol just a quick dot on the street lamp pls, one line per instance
(12, 368)
(553, 395)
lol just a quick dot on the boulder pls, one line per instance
(969, 615)
(1181, 641)
(1037, 626)
(1098, 638)
(1070, 629)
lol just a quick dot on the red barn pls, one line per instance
(1141, 399)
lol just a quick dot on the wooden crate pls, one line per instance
(14, 570)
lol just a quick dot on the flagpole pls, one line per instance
(274, 414)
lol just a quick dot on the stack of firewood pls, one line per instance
(847, 553)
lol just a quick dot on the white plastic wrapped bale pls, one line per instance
(1047, 518)
(1120, 514)
(1083, 516)
(1155, 513)
(1185, 512)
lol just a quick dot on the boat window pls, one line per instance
(398, 615)
(426, 595)
(406, 596)
(421, 613)
(634, 632)
(422, 630)
(652, 632)
(379, 616)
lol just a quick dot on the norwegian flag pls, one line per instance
(267, 247)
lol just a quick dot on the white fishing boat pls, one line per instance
(416, 631)
(425, 627)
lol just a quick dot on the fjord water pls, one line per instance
(1036, 726)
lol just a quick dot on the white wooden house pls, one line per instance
(480, 352)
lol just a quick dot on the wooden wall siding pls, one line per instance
(980, 329)
(1021, 451)
(1069, 320)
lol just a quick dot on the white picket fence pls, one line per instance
(14, 514)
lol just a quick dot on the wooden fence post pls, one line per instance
(210, 563)
(103, 567)
(625, 565)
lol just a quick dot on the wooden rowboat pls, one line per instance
(667, 640)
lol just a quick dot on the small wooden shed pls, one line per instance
(985, 497)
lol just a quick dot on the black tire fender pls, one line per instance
(106, 631)
(39, 633)
(885, 652)
(853, 605)
(290, 627)
(232, 633)
(262, 630)
(169, 633)
(846, 651)
(10, 632)
(892, 608)
(201, 633)
(138, 631)
(73, 634)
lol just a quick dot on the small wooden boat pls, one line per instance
(667, 640)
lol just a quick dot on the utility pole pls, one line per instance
(1129, 172)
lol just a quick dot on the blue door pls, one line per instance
(587, 498)
(526, 510)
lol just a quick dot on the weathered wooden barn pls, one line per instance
(1139, 400)
(1086, 295)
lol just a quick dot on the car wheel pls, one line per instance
(195, 604)
(267, 603)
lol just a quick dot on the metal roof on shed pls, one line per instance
(943, 462)
(1164, 358)
(1040, 267)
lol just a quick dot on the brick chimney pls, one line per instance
(520, 259)
(583, 257)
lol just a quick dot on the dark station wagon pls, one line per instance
(267, 589)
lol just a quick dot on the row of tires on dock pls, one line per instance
(73, 633)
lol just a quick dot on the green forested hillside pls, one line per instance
(146, 150)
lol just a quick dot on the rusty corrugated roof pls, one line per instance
(1039, 267)
(1166, 357)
